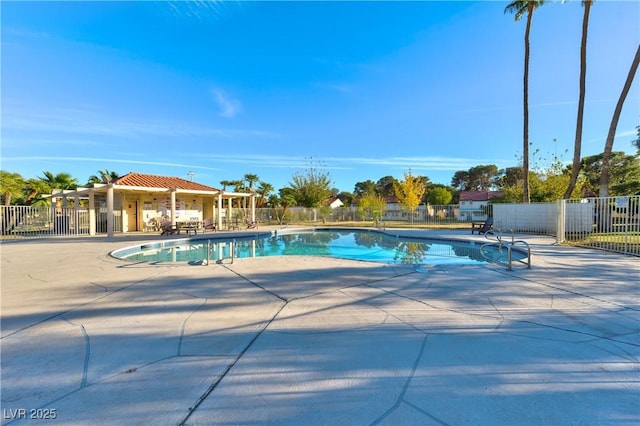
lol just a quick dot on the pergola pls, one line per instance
(152, 187)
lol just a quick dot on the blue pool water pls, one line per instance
(363, 245)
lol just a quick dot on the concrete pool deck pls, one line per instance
(89, 339)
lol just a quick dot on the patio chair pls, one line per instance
(485, 228)
(251, 224)
(209, 224)
(168, 228)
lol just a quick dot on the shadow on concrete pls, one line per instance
(307, 341)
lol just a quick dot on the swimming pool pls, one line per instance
(364, 245)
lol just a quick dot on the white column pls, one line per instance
(219, 226)
(253, 207)
(92, 213)
(110, 211)
(54, 214)
(76, 214)
(173, 207)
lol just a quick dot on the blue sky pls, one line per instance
(365, 89)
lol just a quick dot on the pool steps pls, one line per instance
(501, 244)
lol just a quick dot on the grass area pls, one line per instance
(626, 242)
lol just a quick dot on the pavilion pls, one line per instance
(140, 200)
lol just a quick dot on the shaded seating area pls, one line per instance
(189, 226)
(168, 228)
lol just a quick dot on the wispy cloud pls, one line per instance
(631, 133)
(419, 163)
(106, 161)
(86, 121)
(351, 163)
(271, 161)
(203, 9)
(229, 107)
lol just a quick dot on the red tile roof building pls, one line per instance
(473, 204)
(138, 202)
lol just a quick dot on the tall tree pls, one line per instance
(264, 189)
(384, 186)
(478, 178)
(363, 188)
(508, 177)
(519, 8)
(225, 183)
(608, 146)
(481, 177)
(624, 172)
(460, 180)
(577, 146)
(238, 185)
(410, 191)
(251, 179)
(311, 187)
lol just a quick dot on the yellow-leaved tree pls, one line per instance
(371, 205)
(410, 191)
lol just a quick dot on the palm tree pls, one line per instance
(577, 147)
(59, 181)
(102, 176)
(264, 189)
(35, 188)
(224, 184)
(251, 179)
(238, 186)
(608, 146)
(520, 7)
(11, 185)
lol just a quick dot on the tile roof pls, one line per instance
(479, 195)
(155, 181)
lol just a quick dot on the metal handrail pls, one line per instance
(500, 243)
(232, 250)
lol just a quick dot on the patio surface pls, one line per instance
(89, 339)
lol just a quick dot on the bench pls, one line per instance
(190, 229)
(476, 225)
(482, 227)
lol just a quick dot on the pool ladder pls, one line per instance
(508, 246)
(232, 253)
